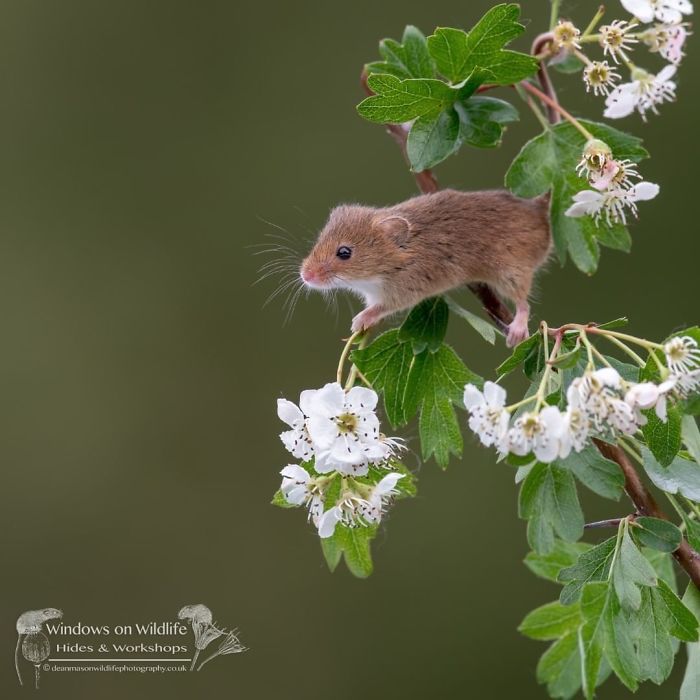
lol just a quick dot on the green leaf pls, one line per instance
(630, 373)
(615, 323)
(332, 551)
(560, 667)
(652, 636)
(433, 138)
(457, 53)
(426, 325)
(657, 534)
(354, 542)
(548, 162)
(548, 500)
(690, 688)
(520, 353)
(482, 119)
(436, 382)
(692, 533)
(551, 621)
(630, 571)
(681, 476)
(386, 363)
(409, 59)
(663, 565)
(481, 326)
(682, 622)
(592, 633)
(564, 554)
(592, 565)
(691, 436)
(397, 101)
(663, 438)
(600, 475)
(280, 501)
(620, 649)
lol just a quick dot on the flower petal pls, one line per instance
(643, 191)
(360, 399)
(288, 412)
(495, 395)
(327, 522)
(642, 9)
(387, 484)
(472, 397)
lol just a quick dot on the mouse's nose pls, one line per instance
(308, 276)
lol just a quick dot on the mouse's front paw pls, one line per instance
(366, 319)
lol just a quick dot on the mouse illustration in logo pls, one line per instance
(206, 631)
(32, 641)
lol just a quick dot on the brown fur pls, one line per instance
(431, 244)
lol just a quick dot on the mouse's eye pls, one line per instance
(344, 253)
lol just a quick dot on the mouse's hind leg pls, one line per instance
(516, 287)
(517, 330)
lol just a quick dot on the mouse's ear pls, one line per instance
(396, 227)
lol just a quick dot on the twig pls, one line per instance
(645, 504)
(538, 46)
(611, 522)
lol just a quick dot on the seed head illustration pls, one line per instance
(205, 631)
(36, 649)
(30, 622)
(229, 645)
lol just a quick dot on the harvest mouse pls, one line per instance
(395, 257)
(32, 621)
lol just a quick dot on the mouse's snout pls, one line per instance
(314, 274)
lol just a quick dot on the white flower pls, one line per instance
(576, 425)
(671, 11)
(566, 36)
(682, 354)
(539, 433)
(611, 203)
(596, 154)
(356, 509)
(615, 173)
(344, 430)
(598, 393)
(649, 395)
(643, 93)
(300, 490)
(667, 40)
(600, 77)
(487, 415)
(373, 507)
(687, 383)
(296, 440)
(615, 40)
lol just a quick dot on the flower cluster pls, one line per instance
(664, 33)
(613, 189)
(599, 403)
(337, 434)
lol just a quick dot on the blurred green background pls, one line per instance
(142, 145)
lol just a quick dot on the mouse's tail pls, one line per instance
(19, 675)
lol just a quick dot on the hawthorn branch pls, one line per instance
(643, 501)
